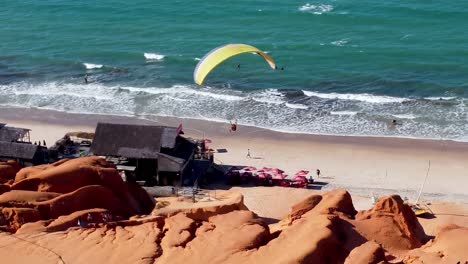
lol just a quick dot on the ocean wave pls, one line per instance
(90, 66)
(154, 56)
(405, 116)
(296, 106)
(197, 59)
(441, 98)
(369, 98)
(56, 89)
(340, 43)
(316, 9)
(269, 96)
(343, 113)
(185, 90)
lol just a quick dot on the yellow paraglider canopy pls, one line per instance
(222, 53)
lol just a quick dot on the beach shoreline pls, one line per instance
(366, 166)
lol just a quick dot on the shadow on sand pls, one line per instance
(317, 185)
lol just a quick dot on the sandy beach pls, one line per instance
(45, 206)
(365, 166)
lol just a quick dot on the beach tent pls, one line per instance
(222, 53)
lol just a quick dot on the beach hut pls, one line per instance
(159, 155)
(25, 154)
(14, 134)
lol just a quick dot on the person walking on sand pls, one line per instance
(248, 154)
(318, 173)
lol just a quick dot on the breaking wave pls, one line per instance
(406, 116)
(343, 113)
(442, 98)
(281, 110)
(340, 43)
(369, 98)
(185, 90)
(296, 106)
(316, 9)
(91, 66)
(154, 56)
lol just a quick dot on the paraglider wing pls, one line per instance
(222, 53)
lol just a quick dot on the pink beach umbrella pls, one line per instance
(278, 176)
(299, 178)
(302, 172)
(250, 168)
(262, 175)
(276, 171)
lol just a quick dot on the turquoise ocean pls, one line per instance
(350, 67)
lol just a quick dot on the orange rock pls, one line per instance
(20, 198)
(88, 197)
(8, 170)
(297, 210)
(392, 224)
(368, 253)
(449, 246)
(4, 188)
(179, 231)
(15, 217)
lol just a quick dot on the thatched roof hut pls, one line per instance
(23, 152)
(13, 134)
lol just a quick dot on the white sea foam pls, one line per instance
(296, 106)
(197, 59)
(405, 116)
(185, 90)
(357, 97)
(442, 98)
(154, 56)
(55, 89)
(90, 66)
(269, 96)
(316, 9)
(340, 42)
(343, 113)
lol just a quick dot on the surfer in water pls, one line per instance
(238, 66)
(86, 78)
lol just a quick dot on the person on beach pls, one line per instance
(248, 153)
(86, 78)
(318, 173)
(233, 127)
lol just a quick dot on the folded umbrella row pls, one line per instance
(268, 176)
